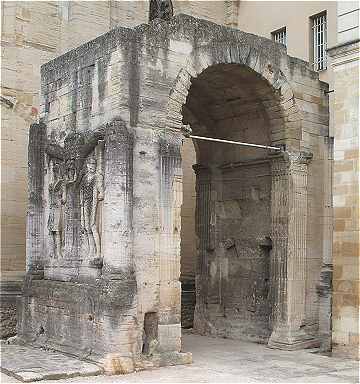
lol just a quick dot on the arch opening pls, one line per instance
(225, 261)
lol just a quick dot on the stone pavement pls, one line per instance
(231, 361)
(33, 364)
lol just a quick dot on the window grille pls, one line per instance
(319, 31)
(279, 36)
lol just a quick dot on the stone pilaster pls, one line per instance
(35, 215)
(169, 329)
(203, 233)
(117, 206)
(288, 261)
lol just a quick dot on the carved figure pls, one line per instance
(57, 195)
(71, 173)
(91, 192)
(160, 9)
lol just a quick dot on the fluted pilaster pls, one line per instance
(288, 263)
(35, 215)
(169, 328)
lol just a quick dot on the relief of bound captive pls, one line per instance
(76, 188)
(57, 198)
(91, 189)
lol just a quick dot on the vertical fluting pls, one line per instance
(34, 227)
(288, 263)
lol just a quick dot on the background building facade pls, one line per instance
(345, 257)
(35, 32)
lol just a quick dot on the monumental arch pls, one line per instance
(105, 194)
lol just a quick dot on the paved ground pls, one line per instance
(230, 361)
(33, 364)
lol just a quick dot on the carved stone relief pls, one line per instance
(57, 199)
(160, 9)
(75, 190)
(91, 191)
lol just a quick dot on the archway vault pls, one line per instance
(284, 114)
(113, 113)
(270, 77)
(241, 226)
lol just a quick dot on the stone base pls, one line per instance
(102, 314)
(282, 339)
(172, 358)
(351, 351)
(117, 365)
(9, 292)
(60, 272)
(87, 272)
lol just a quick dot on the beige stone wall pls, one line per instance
(22, 54)
(346, 245)
(346, 255)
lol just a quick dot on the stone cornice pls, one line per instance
(344, 53)
(301, 157)
(343, 47)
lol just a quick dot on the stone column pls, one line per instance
(288, 260)
(169, 329)
(35, 225)
(203, 233)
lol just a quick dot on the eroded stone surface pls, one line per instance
(33, 364)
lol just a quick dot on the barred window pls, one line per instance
(279, 36)
(319, 46)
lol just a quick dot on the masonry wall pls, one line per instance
(346, 246)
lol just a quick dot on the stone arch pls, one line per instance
(288, 180)
(283, 110)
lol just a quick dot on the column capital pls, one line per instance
(301, 157)
(170, 143)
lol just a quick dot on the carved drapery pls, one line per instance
(288, 261)
(91, 195)
(65, 228)
(57, 199)
(160, 9)
(74, 190)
